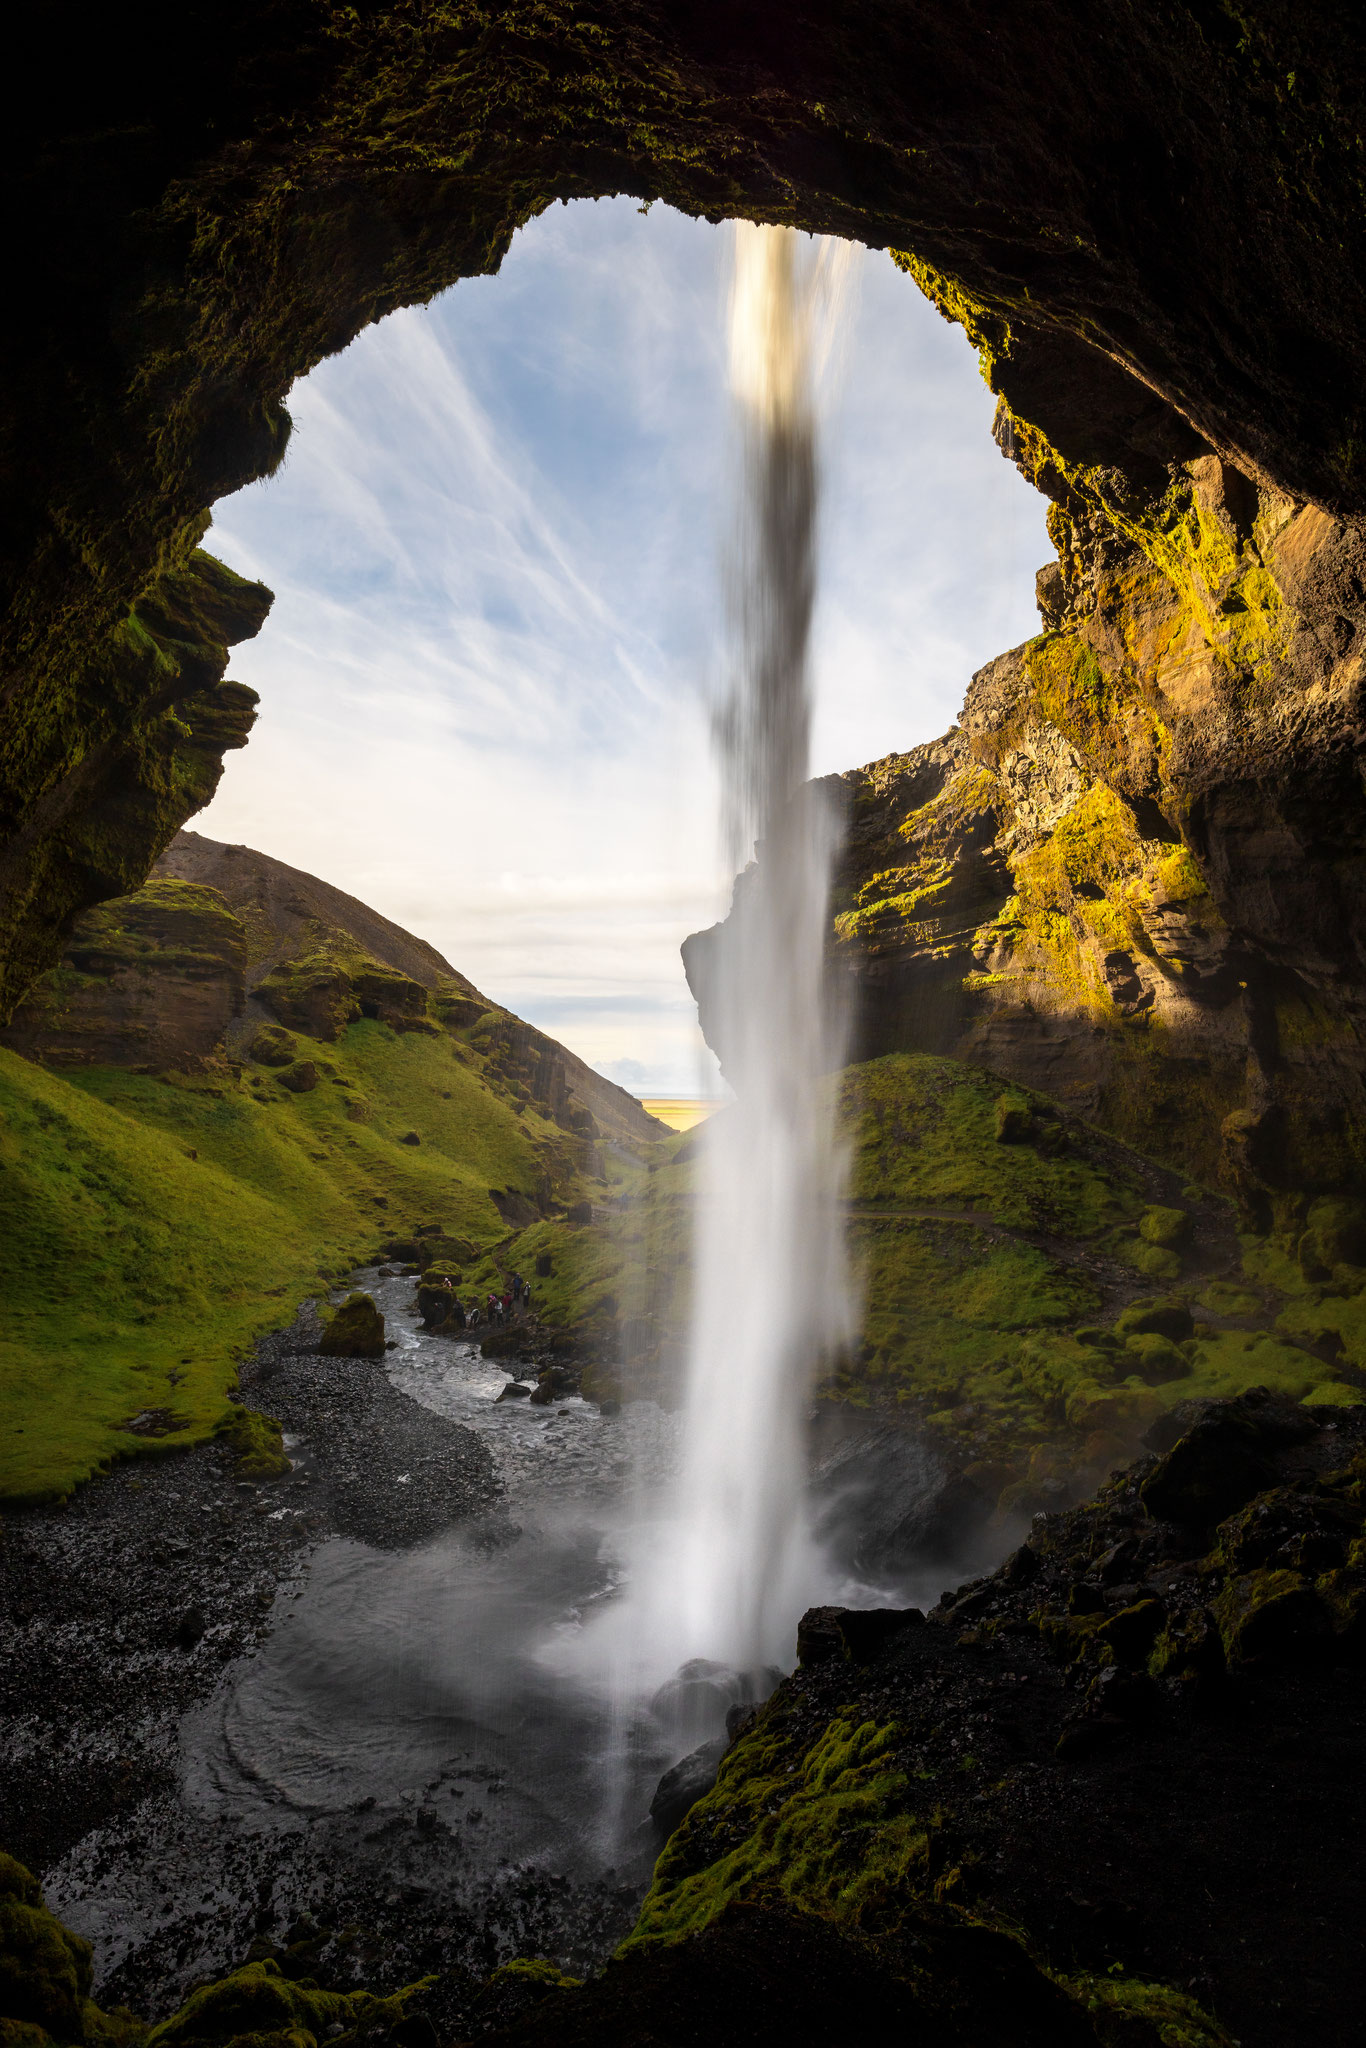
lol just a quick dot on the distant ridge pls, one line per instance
(283, 909)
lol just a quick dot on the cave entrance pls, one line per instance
(495, 547)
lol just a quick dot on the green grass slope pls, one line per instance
(155, 1225)
(1014, 1266)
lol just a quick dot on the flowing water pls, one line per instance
(735, 1563)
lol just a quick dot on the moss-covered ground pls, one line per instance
(158, 1224)
(998, 1248)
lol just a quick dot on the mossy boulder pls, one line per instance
(1168, 1228)
(1342, 1596)
(274, 1047)
(1014, 1118)
(45, 1970)
(1155, 1359)
(257, 2003)
(258, 1442)
(1285, 1526)
(1270, 1617)
(1152, 1261)
(45, 1976)
(1162, 1317)
(1336, 1236)
(1223, 1459)
(1189, 1651)
(355, 1330)
(301, 1078)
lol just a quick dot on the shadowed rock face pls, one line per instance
(206, 208)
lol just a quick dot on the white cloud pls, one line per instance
(495, 545)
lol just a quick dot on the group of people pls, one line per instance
(442, 1308)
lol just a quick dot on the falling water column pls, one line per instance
(771, 1298)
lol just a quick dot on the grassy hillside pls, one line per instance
(239, 1083)
(154, 1225)
(1034, 1295)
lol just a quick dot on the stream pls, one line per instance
(427, 1760)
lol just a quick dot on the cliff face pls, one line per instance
(100, 764)
(1132, 876)
(149, 982)
(203, 210)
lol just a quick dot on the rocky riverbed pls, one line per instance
(340, 1719)
(158, 1718)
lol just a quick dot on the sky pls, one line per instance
(497, 544)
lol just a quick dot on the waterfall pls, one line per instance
(721, 1569)
(771, 1298)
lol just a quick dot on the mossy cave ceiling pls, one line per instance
(1147, 217)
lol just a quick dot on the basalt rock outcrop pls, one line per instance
(1152, 213)
(151, 981)
(1132, 875)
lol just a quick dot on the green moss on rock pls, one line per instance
(258, 1441)
(355, 1330)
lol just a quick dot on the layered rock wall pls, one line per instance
(1132, 875)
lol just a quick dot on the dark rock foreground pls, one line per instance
(1106, 1796)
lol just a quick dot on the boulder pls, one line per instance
(45, 1970)
(687, 1781)
(1224, 1459)
(355, 1330)
(1155, 1359)
(1270, 1618)
(273, 1046)
(1168, 1228)
(1160, 1317)
(301, 1078)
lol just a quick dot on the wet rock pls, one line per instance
(865, 1632)
(518, 1989)
(818, 1636)
(1131, 1695)
(1131, 1633)
(355, 1330)
(693, 1703)
(1188, 1655)
(1270, 1618)
(515, 1390)
(1085, 1733)
(685, 1783)
(1224, 1459)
